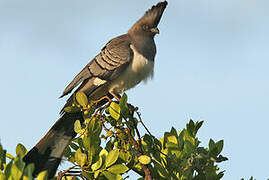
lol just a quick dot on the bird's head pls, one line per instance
(147, 25)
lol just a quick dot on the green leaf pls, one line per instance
(77, 127)
(2, 176)
(28, 171)
(158, 142)
(198, 125)
(8, 169)
(17, 168)
(125, 156)
(118, 169)
(112, 157)
(2, 157)
(25, 178)
(87, 142)
(114, 110)
(144, 159)
(219, 146)
(10, 156)
(79, 141)
(124, 106)
(71, 109)
(111, 176)
(20, 150)
(181, 140)
(221, 158)
(173, 131)
(82, 99)
(74, 146)
(85, 174)
(190, 128)
(220, 175)
(211, 144)
(67, 152)
(95, 127)
(97, 164)
(80, 157)
(91, 154)
(42, 176)
(161, 171)
(96, 174)
(102, 158)
(123, 101)
(147, 138)
(172, 139)
(189, 147)
(103, 153)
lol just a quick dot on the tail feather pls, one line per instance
(47, 153)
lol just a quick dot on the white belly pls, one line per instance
(138, 70)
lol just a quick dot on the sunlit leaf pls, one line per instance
(2, 176)
(125, 156)
(87, 142)
(112, 157)
(80, 157)
(114, 110)
(96, 174)
(144, 159)
(82, 99)
(20, 150)
(97, 164)
(118, 169)
(77, 126)
(172, 139)
(42, 176)
(17, 168)
(103, 153)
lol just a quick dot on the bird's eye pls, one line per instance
(145, 27)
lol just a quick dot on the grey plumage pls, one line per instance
(107, 65)
(115, 57)
(122, 63)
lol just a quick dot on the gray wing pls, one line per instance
(106, 66)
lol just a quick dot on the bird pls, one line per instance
(122, 63)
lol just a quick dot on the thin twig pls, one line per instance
(145, 168)
(140, 120)
(61, 174)
(138, 148)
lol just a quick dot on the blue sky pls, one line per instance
(211, 65)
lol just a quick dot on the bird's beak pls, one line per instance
(155, 30)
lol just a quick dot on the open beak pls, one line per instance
(155, 30)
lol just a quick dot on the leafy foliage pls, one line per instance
(109, 145)
(15, 169)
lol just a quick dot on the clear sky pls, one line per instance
(212, 64)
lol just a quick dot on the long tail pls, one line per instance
(48, 152)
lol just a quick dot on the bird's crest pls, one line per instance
(152, 16)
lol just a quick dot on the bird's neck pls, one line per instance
(144, 45)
